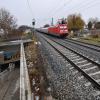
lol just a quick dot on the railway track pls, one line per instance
(88, 68)
(87, 45)
(84, 42)
(89, 51)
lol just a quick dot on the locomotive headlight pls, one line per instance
(65, 27)
(61, 27)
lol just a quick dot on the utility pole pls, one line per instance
(52, 21)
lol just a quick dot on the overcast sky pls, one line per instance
(44, 10)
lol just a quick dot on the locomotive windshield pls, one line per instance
(62, 21)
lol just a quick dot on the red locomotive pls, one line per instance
(60, 30)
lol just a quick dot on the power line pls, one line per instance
(30, 9)
(61, 7)
(79, 7)
(91, 5)
(54, 6)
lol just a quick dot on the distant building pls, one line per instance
(97, 25)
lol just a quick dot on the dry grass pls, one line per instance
(91, 39)
(35, 67)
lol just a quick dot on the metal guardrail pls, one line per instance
(25, 90)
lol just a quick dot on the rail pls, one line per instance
(87, 45)
(91, 79)
(25, 90)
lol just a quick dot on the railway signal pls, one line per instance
(33, 22)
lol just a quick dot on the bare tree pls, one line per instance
(93, 20)
(7, 22)
(90, 24)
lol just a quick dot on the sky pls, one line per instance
(43, 10)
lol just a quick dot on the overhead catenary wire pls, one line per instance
(58, 8)
(61, 7)
(52, 9)
(78, 7)
(88, 7)
(29, 7)
(82, 6)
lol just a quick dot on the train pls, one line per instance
(59, 30)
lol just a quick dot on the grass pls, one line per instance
(91, 40)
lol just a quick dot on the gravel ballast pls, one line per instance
(65, 85)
